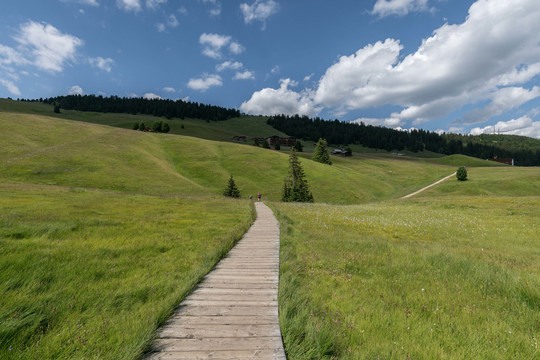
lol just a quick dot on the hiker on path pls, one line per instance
(259, 196)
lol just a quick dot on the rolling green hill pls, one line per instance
(45, 150)
(103, 230)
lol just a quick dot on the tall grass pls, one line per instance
(452, 278)
(91, 274)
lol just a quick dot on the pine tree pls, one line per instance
(298, 146)
(231, 189)
(296, 188)
(135, 126)
(165, 128)
(320, 154)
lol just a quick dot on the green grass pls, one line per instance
(250, 126)
(42, 150)
(501, 181)
(92, 274)
(448, 278)
(463, 160)
(104, 230)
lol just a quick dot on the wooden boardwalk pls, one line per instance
(233, 313)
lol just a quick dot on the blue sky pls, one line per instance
(457, 66)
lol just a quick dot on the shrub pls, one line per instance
(277, 147)
(136, 126)
(165, 128)
(461, 173)
(265, 145)
(157, 126)
(231, 189)
(142, 127)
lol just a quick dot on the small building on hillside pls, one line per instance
(507, 161)
(342, 151)
(282, 141)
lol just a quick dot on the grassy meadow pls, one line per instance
(44, 150)
(433, 277)
(87, 274)
(103, 230)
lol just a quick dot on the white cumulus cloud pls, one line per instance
(129, 5)
(229, 65)
(75, 90)
(104, 64)
(205, 82)
(48, 48)
(259, 10)
(502, 100)
(83, 2)
(270, 101)
(213, 45)
(458, 65)
(151, 96)
(11, 87)
(169, 89)
(384, 8)
(524, 126)
(244, 75)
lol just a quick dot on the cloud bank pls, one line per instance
(486, 58)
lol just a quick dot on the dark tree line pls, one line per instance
(157, 107)
(524, 152)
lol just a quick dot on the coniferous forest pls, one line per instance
(525, 151)
(157, 107)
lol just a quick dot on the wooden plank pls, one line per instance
(226, 320)
(220, 355)
(229, 310)
(184, 331)
(219, 344)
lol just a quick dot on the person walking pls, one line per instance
(250, 197)
(259, 196)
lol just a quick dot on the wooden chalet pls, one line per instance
(507, 161)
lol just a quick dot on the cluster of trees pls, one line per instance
(159, 126)
(525, 151)
(157, 107)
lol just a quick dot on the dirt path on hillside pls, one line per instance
(233, 313)
(427, 187)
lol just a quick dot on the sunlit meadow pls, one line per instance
(453, 278)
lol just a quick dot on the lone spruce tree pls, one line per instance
(320, 154)
(231, 189)
(296, 188)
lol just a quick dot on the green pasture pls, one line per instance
(88, 274)
(431, 278)
(103, 230)
(51, 151)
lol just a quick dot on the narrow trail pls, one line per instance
(233, 313)
(427, 187)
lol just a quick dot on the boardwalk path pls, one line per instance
(233, 313)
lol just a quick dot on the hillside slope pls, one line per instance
(46, 150)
